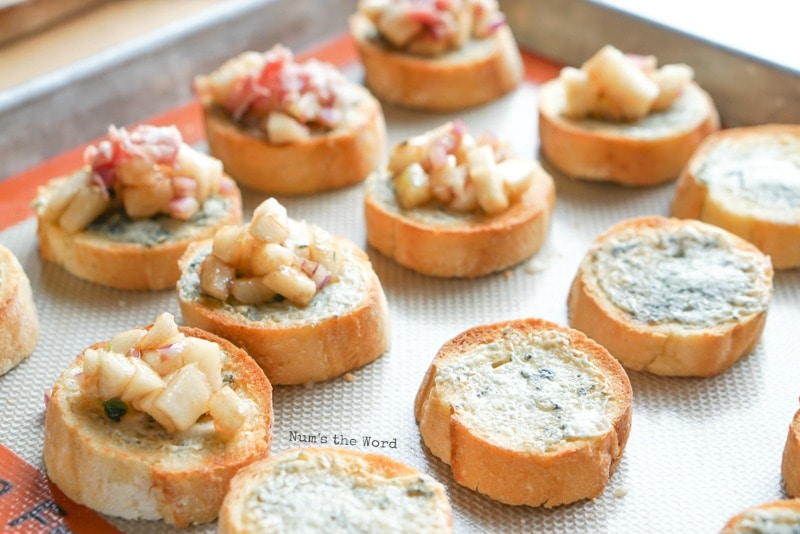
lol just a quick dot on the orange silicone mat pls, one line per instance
(700, 450)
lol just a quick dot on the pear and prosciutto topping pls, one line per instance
(145, 172)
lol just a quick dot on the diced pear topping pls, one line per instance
(281, 128)
(123, 342)
(54, 200)
(185, 398)
(292, 284)
(86, 205)
(251, 290)
(227, 245)
(206, 355)
(491, 195)
(270, 222)
(115, 372)
(143, 382)
(269, 257)
(228, 411)
(163, 331)
(614, 86)
(216, 277)
(517, 175)
(413, 187)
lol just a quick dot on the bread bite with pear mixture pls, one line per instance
(623, 119)
(153, 423)
(305, 304)
(453, 205)
(289, 127)
(127, 216)
(436, 55)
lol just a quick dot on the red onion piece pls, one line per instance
(173, 349)
(183, 186)
(48, 393)
(497, 22)
(226, 185)
(183, 207)
(134, 353)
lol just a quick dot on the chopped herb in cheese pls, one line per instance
(681, 275)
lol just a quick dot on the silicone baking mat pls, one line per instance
(700, 450)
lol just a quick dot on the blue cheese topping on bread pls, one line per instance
(773, 520)
(528, 391)
(681, 275)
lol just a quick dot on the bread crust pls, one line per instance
(19, 324)
(467, 249)
(97, 259)
(482, 71)
(101, 472)
(344, 156)
(733, 526)
(790, 464)
(232, 514)
(598, 155)
(575, 470)
(664, 349)
(694, 199)
(302, 351)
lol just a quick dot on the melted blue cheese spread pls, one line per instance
(528, 391)
(335, 299)
(685, 113)
(681, 276)
(756, 174)
(769, 521)
(322, 492)
(118, 227)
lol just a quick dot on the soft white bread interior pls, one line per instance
(747, 181)
(334, 490)
(772, 517)
(790, 465)
(649, 151)
(448, 243)
(672, 297)
(138, 254)
(133, 468)
(344, 327)
(481, 71)
(326, 160)
(19, 325)
(526, 412)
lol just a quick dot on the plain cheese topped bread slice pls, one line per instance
(672, 297)
(777, 517)
(747, 180)
(336, 491)
(526, 412)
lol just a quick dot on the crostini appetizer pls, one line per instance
(334, 490)
(127, 216)
(154, 423)
(790, 463)
(306, 305)
(287, 127)
(747, 181)
(436, 55)
(19, 324)
(776, 517)
(526, 412)
(620, 118)
(672, 297)
(451, 205)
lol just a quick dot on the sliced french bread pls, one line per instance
(770, 518)
(526, 412)
(19, 324)
(790, 464)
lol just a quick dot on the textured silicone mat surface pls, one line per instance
(700, 450)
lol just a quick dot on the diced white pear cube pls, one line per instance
(136, 172)
(397, 27)
(489, 188)
(185, 397)
(162, 362)
(86, 205)
(228, 243)
(115, 372)
(671, 80)
(465, 198)
(300, 238)
(148, 403)
(142, 202)
(216, 277)
(579, 92)
(292, 284)
(228, 412)
(161, 333)
(144, 381)
(87, 380)
(251, 290)
(268, 257)
(60, 193)
(123, 342)
(282, 128)
(622, 82)
(415, 149)
(207, 171)
(208, 357)
(270, 222)
(325, 253)
(412, 187)
(517, 175)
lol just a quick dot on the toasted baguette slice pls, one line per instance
(19, 325)
(344, 327)
(649, 151)
(790, 466)
(124, 253)
(772, 517)
(435, 242)
(344, 156)
(747, 181)
(672, 297)
(136, 470)
(526, 412)
(334, 490)
(482, 71)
